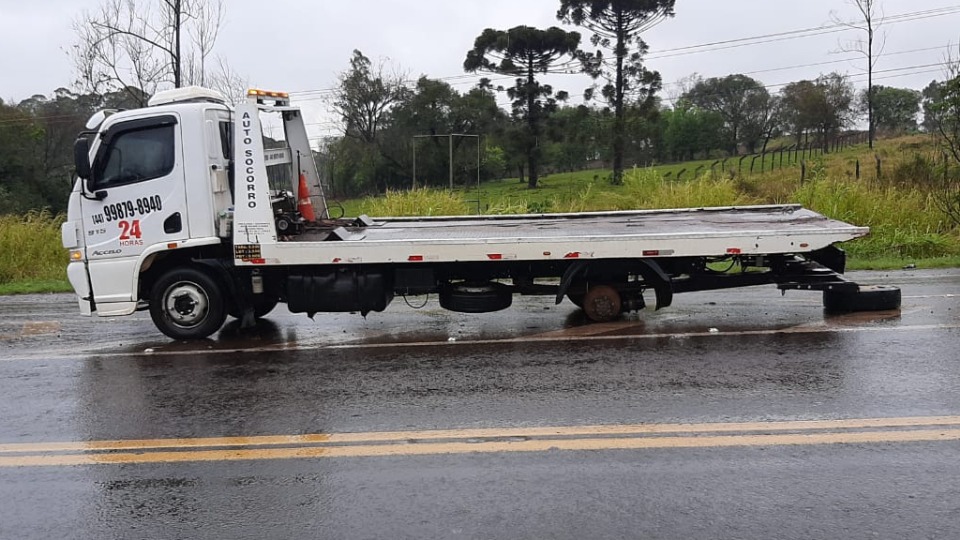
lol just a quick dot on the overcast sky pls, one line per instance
(301, 45)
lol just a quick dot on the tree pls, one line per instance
(690, 132)
(871, 17)
(895, 109)
(617, 26)
(823, 106)
(525, 52)
(943, 110)
(743, 103)
(128, 44)
(573, 132)
(365, 95)
(20, 168)
(931, 96)
(363, 100)
(435, 108)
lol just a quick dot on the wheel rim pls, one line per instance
(186, 304)
(602, 303)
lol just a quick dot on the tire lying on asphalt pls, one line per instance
(868, 298)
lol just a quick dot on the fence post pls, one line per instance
(680, 174)
(696, 174)
(858, 169)
(713, 169)
(879, 166)
(740, 170)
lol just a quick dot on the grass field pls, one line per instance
(34, 260)
(898, 205)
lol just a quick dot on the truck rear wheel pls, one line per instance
(602, 303)
(186, 303)
(871, 298)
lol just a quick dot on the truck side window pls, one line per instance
(226, 138)
(226, 146)
(136, 156)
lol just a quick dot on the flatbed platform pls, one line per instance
(684, 232)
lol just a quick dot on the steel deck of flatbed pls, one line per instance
(706, 232)
(744, 221)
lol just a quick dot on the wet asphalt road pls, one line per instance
(552, 407)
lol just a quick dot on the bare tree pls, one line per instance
(364, 97)
(871, 18)
(943, 112)
(204, 30)
(228, 82)
(138, 45)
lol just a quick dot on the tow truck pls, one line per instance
(187, 207)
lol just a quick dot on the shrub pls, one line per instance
(419, 202)
(31, 247)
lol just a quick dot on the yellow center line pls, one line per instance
(449, 448)
(482, 433)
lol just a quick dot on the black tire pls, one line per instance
(186, 303)
(871, 298)
(262, 305)
(476, 297)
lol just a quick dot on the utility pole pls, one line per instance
(450, 151)
(177, 82)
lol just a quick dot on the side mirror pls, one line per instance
(81, 157)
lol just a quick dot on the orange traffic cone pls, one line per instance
(303, 203)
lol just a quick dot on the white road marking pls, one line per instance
(537, 338)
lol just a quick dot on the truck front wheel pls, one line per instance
(186, 303)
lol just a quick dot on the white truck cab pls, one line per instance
(186, 208)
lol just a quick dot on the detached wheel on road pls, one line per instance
(870, 298)
(602, 303)
(186, 303)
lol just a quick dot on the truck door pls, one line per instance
(219, 126)
(136, 199)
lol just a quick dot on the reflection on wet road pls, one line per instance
(735, 414)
